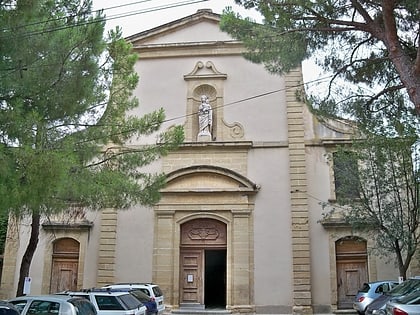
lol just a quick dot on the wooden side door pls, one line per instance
(351, 264)
(350, 277)
(64, 275)
(65, 263)
(191, 277)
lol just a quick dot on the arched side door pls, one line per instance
(65, 263)
(351, 259)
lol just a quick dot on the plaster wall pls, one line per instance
(268, 167)
(262, 117)
(318, 172)
(134, 247)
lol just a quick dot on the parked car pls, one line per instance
(52, 305)
(111, 303)
(148, 301)
(407, 305)
(377, 307)
(369, 292)
(7, 308)
(151, 289)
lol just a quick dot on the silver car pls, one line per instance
(53, 304)
(370, 291)
(408, 305)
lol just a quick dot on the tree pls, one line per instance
(371, 44)
(65, 97)
(384, 173)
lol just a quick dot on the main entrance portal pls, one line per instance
(203, 264)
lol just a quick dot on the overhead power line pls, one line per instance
(255, 97)
(106, 18)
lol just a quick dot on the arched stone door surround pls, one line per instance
(76, 234)
(203, 263)
(206, 192)
(351, 264)
(65, 262)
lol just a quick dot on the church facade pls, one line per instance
(239, 225)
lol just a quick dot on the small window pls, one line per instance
(157, 291)
(20, 305)
(365, 288)
(83, 307)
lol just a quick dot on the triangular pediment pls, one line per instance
(199, 27)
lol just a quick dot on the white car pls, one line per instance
(111, 303)
(151, 289)
(53, 304)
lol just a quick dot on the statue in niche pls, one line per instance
(205, 117)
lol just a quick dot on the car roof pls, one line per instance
(97, 291)
(131, 284)
(381, 281)
(49, 297)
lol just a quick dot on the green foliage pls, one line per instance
(65, 97)
(370, 45)
(388, 207)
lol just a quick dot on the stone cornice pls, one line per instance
(87, 225)
(189, 49)
(334, 223)
(212, 144)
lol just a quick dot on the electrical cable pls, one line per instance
(95, 19)
(253, 97)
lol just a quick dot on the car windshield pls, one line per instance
(140, 295)
(412, 298)
(365, 288)
(405, 287)
(108, 303)
(130, 301)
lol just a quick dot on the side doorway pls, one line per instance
(351, 260)
(65, 263)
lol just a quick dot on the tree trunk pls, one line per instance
(29, 253)
(402, 268)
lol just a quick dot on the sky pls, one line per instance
(137, 16)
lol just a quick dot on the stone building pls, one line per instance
(238, 225)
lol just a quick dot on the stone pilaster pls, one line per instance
(8, 282)
(302, 297)
(107, 245)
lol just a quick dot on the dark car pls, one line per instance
(377, 307)
(407, 305)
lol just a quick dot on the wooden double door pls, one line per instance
(203, 264)
(203, 278)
